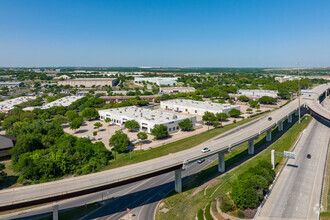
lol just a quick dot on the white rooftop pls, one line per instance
(143, 114)
(10, 103)
(200, 104)
(65, 101)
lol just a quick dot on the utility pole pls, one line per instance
(298, 94)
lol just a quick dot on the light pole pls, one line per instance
(298, 95)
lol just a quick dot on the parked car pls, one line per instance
(269, 118)
(205, 149)
(90, 138)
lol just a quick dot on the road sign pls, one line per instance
(288, 154)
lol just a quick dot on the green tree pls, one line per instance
(71, 114)
(253, 103)
(142, 136)
(209, 117)
(98, 125)
(267, 100)
(76, 123)
(25, 143)
(132, 125)
(45, 116)
(221, 116)
(107, 120)
(60, 119)
(89, 113)
(284, 94)
(119, 141)
(217, 124)
(159, 131)
(243, 98)
(234, 113)
(186, 125)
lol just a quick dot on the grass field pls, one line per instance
(326, 194)
(186, 204)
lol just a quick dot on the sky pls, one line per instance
(164, 33)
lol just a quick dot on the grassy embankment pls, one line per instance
(187, 204)
(326, 193)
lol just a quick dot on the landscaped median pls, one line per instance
(195, 197)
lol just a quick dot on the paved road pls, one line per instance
(297, 192)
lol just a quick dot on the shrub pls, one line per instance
(208, 215)
(94, 133)
(200, 214)
(226, 204)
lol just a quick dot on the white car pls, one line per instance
(205, 149)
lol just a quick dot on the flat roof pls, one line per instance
(200, 104)
(10, 103)
(93, 79)
(65, 101)
(143, 114)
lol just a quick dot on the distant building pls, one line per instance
(147, 118)
(11, 84)
(89, 82)
(196, 107)
(62, 77)
(9, 104)
(169, 90)
(257, 93)
(286, 78)
(160, 81)
(65, 101)
(122, 98)
(6, 143)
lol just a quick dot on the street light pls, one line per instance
(298, 94)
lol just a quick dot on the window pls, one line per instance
(173, 128)
(177, 128)
(195, 111)
(186, 110)
(169, 129)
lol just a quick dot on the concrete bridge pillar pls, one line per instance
(290, 118)
(55, 212)
(251, 146)
(269, 135)
(221, 162)
(178, 180)
(296, 113)
(280, 126)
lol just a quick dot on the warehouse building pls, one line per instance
(89, 82)
(147, 118)
(65, 101)
(160, 81)
(257, 93)
(11, 84)
(170, 90)
(9, 104)
(196, 107)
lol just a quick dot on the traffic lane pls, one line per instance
(159, 187)
(293, 192)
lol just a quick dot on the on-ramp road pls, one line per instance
(296, 194)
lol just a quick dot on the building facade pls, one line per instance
(11, 84)
(89, 82)
(147, 118)
(196, 107)
(160, 81)
(170, 90)
(257, 93)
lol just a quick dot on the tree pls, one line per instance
(217, 124)
(71, 114)
(249, 110)
(107, 120)
(267, 100)
(132, 125)
(231, 101)
(221, 116)
(76, 123)
(234, 113)
(159, 131)
(284, 94)
(89, 113)
(209, 117)
(119, 141)
(243, 98)
(98, 125)
(60, 119)
(45, 116)
(186, 125)
(253, 103)
(94, 133)
(142, 136)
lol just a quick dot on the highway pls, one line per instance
(107, 179)
(297, 192)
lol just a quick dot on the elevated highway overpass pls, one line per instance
(72, 187)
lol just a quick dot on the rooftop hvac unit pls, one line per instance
(168, 118)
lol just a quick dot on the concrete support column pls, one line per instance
(55, 212)
(269, 135)
(178, 181)
(280, 126)
(251, 147)
(221, 162)
(296, 113)
(290, 118)
(272, 159)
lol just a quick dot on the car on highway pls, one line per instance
(205, 149)
(269, 118)
(200, 161)
(309, 156)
